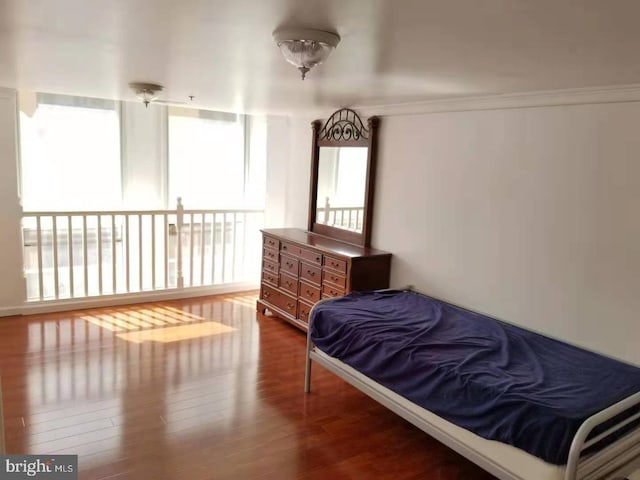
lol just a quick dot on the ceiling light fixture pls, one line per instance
(305, 48)
(147, 92)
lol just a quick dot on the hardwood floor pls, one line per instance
(198, 389)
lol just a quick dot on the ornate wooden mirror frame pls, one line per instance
(344, 129)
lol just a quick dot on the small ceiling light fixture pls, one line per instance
(305, 48)
(147, 92)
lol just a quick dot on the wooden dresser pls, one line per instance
(299, 268)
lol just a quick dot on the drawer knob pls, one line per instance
(318, 259)
(267, 294)
(290, 305)
(311, 272)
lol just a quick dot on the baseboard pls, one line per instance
(51, 306)
(10, 311)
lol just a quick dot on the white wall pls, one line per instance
(12, 286)
(530, 215)
(299, 171)
(277, 167)
(288, 170)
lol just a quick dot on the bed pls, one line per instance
(520, 405)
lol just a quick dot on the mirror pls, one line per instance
(342, 173)
(342, 177)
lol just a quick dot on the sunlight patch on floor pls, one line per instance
(174, 334)
(122, 320)
(247, 301)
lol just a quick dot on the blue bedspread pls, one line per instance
(497, 380)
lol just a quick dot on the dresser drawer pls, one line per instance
(335, 278)
(271, 278)
(289, 264)
(335, 264)
(290, 249)
(309, 293)
(271, 242)
(289, 283)
(270, 266)
(288, 304)
(270, 254)
(269, 294)
(331, 291)
(310, 273)
(310, 255)
(304, 309)
(300, 268)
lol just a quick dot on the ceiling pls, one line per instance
(392, 51)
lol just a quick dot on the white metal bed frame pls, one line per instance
(613, 462)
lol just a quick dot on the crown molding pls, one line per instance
(544, 98)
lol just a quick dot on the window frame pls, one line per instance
(243, 119)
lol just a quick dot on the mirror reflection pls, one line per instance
(342, 174)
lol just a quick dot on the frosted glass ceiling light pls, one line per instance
(305, 48)
(147, 92)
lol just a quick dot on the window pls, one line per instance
(73, 159)
(209, 159)
(70, 153)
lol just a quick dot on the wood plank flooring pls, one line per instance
(198, 389)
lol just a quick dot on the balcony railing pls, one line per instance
(78, 254)
(349, 218)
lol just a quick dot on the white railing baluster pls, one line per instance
(233, 248)
(191, 251)
(153, 252)
(140, 251)
(85, 255)
(99, 247)
(244, 243)
(127, 264)
(40, 266)
(180, 223)
(166, 251)
(224, 244)
(327, 209)
(213, 248)
(70, 237)
(113, 254)
(56, 273)
(202, 232)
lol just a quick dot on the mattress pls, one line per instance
(499, 381)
